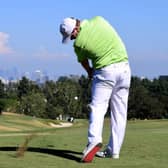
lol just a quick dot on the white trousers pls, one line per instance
(110, 87)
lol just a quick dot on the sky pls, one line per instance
(30, 38)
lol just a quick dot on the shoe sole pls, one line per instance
(89, 157)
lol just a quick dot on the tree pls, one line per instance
(71, 95)
(2, 90)
(11, 90)
(33, 104)
(50, 91)
(142, 104)
(25, 87)
(67, 92)
(2, 106)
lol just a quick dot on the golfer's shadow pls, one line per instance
(67, 154)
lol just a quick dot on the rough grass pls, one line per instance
(145, 145)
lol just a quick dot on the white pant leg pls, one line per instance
(101, 93)
(118, 104)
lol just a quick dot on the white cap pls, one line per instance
(66, 28)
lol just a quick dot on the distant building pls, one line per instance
(39, 77)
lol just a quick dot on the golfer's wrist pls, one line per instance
(90, 72)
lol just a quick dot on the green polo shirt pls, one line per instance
(99, 42)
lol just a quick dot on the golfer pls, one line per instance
(96, 40)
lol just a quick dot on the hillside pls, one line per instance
(12, 122)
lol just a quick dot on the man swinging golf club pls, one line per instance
(97, 40)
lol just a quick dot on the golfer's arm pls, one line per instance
(86, 66)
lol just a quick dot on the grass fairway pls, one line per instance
(145, 146)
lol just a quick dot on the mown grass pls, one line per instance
(145, 145)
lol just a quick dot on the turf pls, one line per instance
(145, 145)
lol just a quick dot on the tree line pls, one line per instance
(70, 96)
